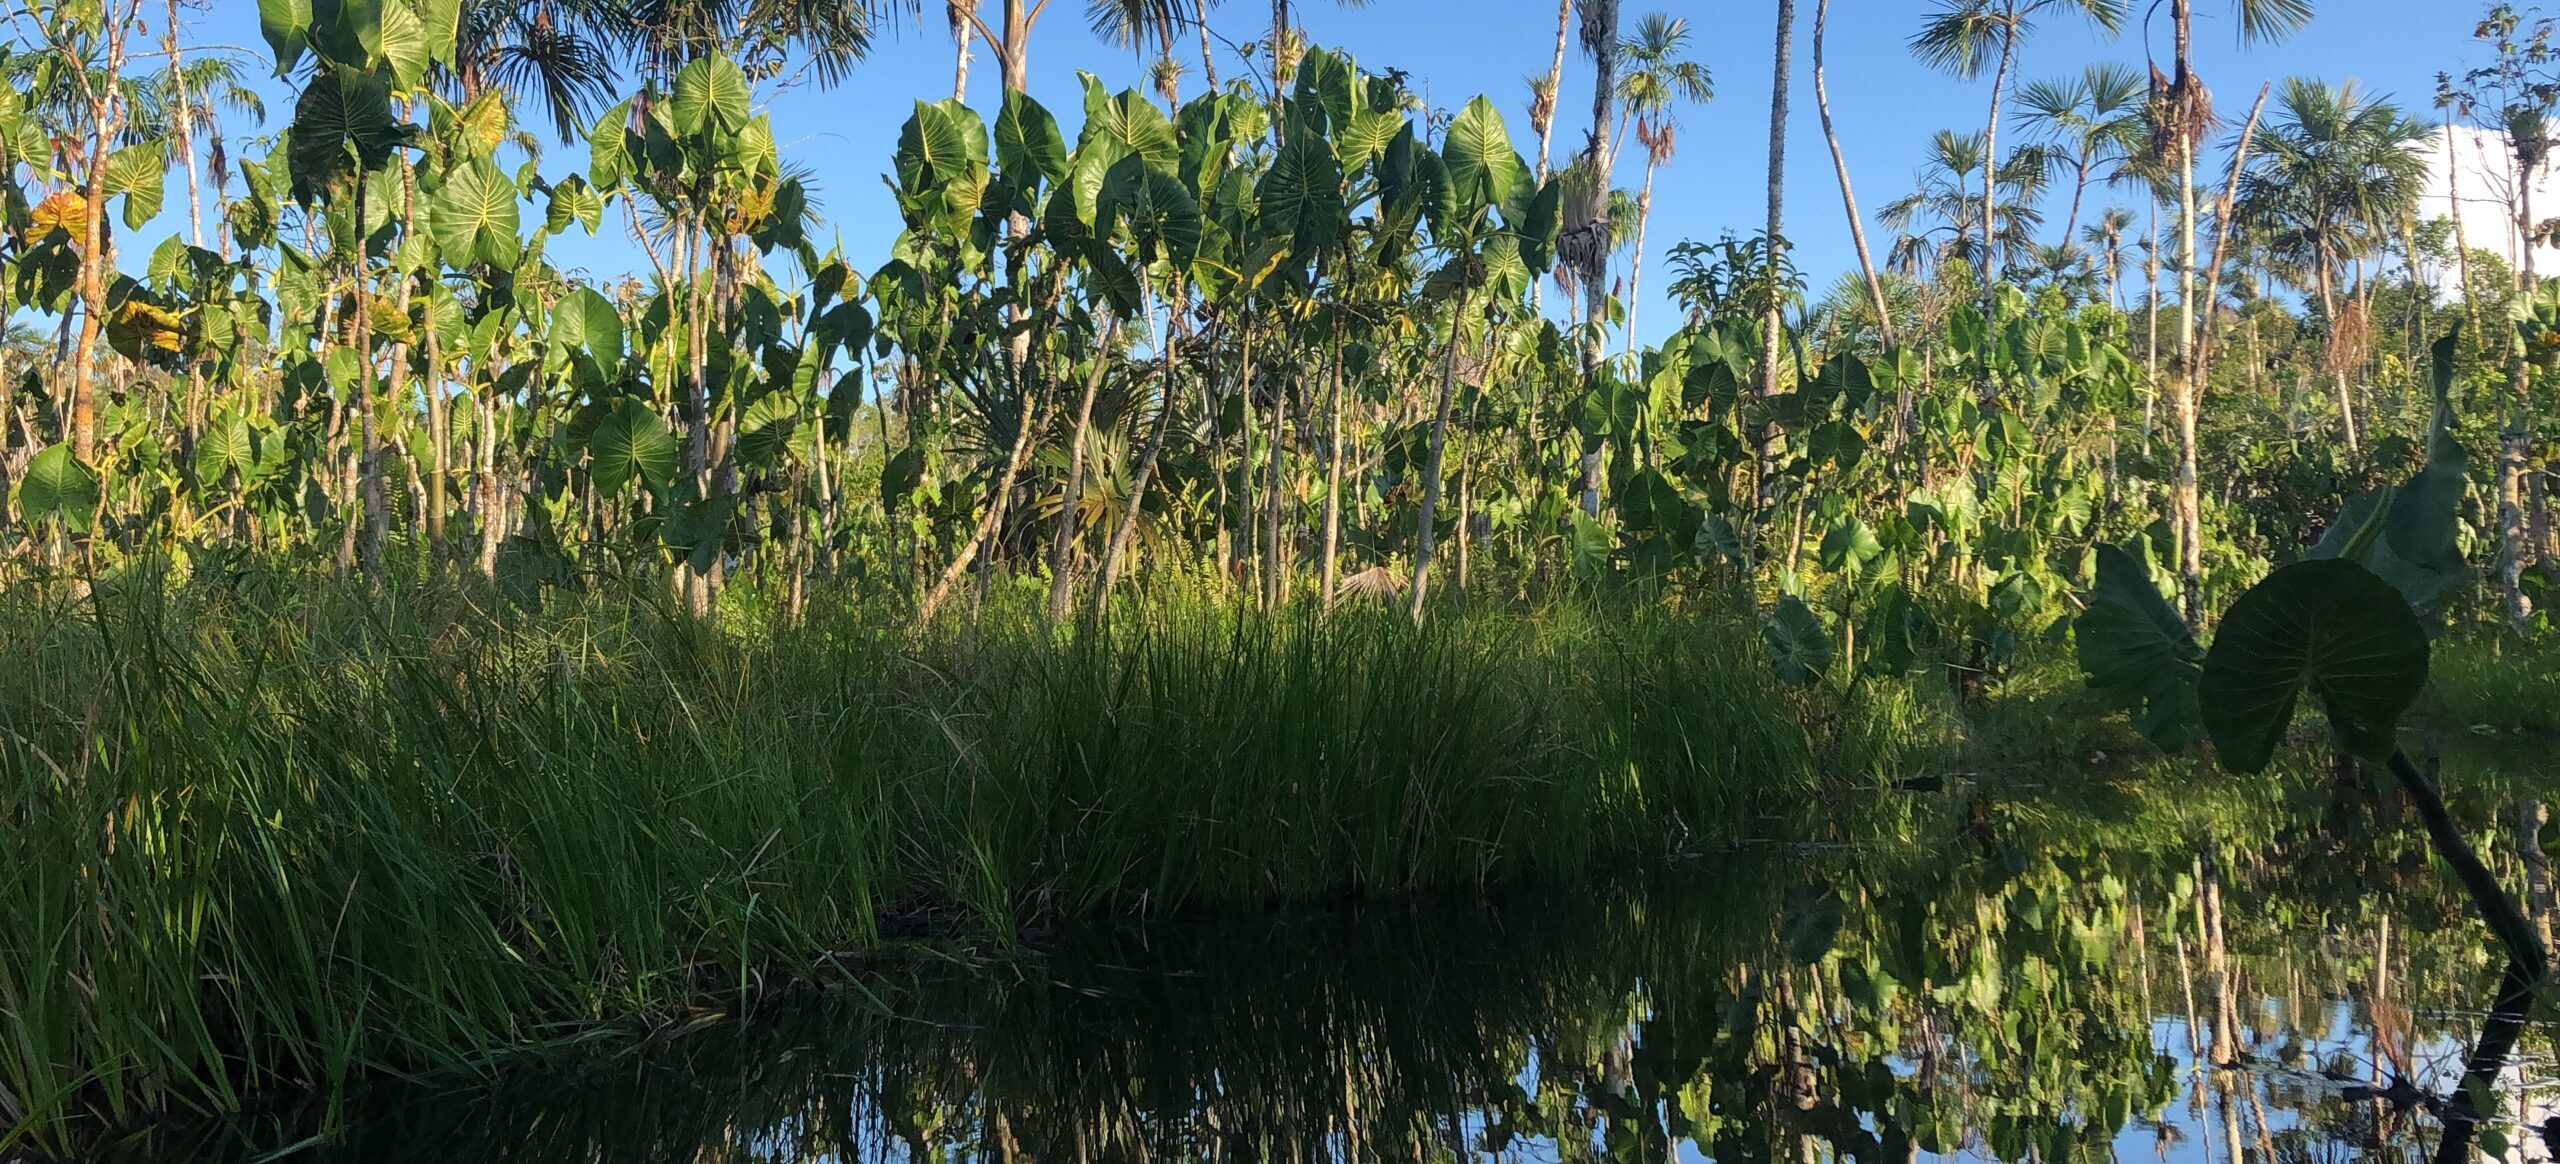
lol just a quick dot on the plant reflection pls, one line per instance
(2269, 974)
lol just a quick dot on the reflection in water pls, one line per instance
(2122, 977)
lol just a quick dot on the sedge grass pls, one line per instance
(271, 832)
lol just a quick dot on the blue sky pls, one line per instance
(1885, 103)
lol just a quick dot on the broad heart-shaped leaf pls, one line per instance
(287, 26)
(2414, 548)
(1301, 195)
(572, 200)
(1849, 545)
(609, 147)
(631, 443)
(2133, 644)
(1889, 630)
(475, 216)
(1028, 149)
(1123, 124)
(2329, 627)
(941, 143)
(710, 96)
(56, 486)
(136, 172)
(1482, 166)
(586, 321)
(399, 42)
(341, 109)
(227, 446)
(1159, 213)
(1798, 646)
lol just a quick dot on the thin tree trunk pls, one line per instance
(1118, 548)
(2184, 503)
(1991, 162)
(960, 38)
(2515, 445)
(1063, 542)
(1439, 440)
(988, 521)
(1848, 198)
(1332, 472)
(1635, 261)
(1772, 327)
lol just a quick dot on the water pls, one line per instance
(2012, 974)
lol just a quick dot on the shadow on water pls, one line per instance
(2273, 975)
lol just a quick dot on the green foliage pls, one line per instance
(1797, 643)
(632, 444)
(2327, 629)
(2133, 645)
(57, 488)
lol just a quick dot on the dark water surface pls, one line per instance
(2009, 973)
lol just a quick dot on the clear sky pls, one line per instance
(1885, 103)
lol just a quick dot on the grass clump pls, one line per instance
(270, 831)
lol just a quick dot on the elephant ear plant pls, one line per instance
(2341, 628)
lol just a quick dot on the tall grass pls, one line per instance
(269, 832)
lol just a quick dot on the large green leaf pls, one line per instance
(227, 446)
(58, 487)
(475, 216)
(2329, 627)
(399, 42)
(1126, 123)
(608, 147)
(1798, 645)
(2131, 643)
(710, 96)
(1849, 545)
(1028, 147)
(1159, 213)
(629, 444)
(2408, 535)
(287, 26)
(1482, 165)
(1301, 196)
(136, 173)
(573, 201)
(941, 143)
(343, 118)
(587, 322)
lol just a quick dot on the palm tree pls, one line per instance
(2106, 239)
(1583, 246)
(1960, 37)
(1942, 219)
(2087, 121)
(1770, 340)
(2179, 114)
(1656, 77)
(557, 53)
(2338, 166)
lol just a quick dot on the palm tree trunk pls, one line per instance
(1600, 39)
(1062, 543)
(961, 35)
(1848, 197)
(1771, 325)
(1635, 261)
(1991, 161)
(1423, 529)
(2184, 503)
